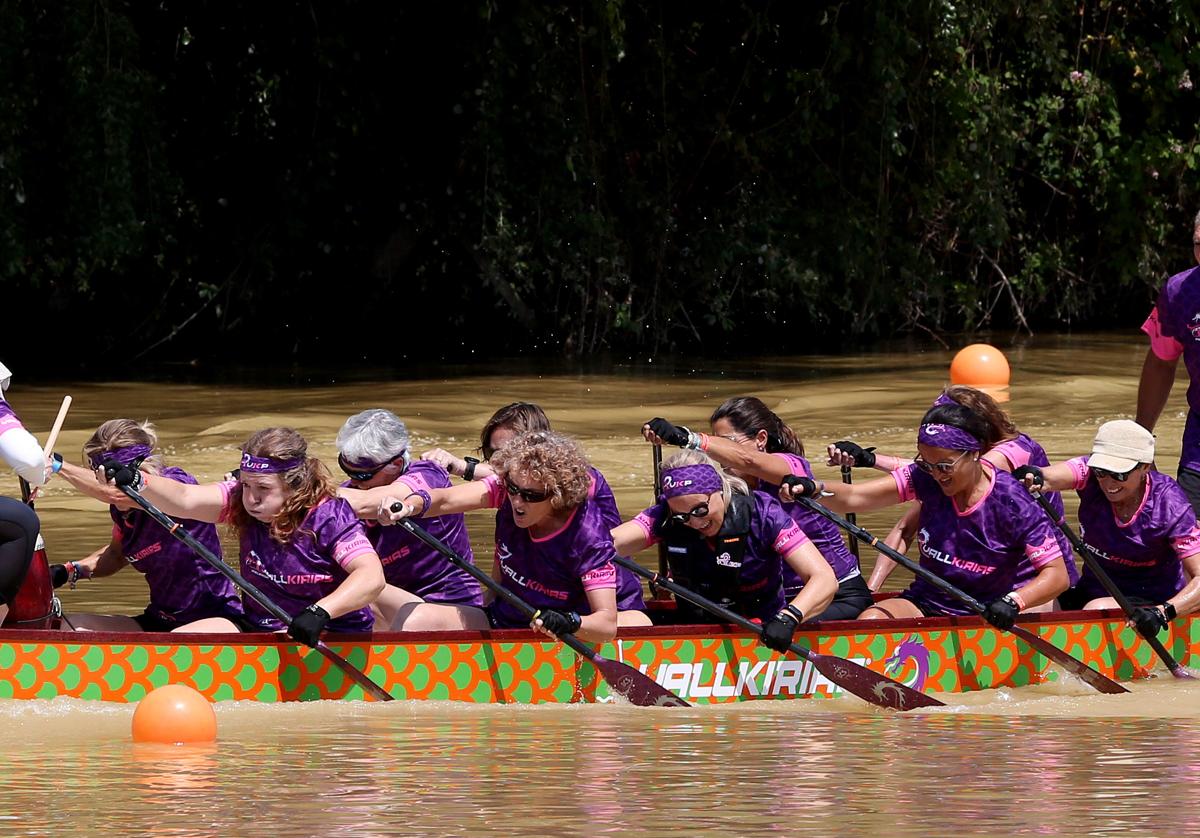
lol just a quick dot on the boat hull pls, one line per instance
(703, 664)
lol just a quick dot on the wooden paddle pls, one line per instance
(623, 679)
(1076, 667)
(50, 440)
(174, 528)
(1086, 552)
(853, 678)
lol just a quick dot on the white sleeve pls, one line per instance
(21, 451)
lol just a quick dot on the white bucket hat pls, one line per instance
(1121, 445)
(5, 378)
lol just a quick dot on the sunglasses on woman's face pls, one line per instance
(1119, 476)
(527, 495)
(697, 511)
(358, 474)
(943, 467)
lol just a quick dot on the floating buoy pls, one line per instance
(980, 365)
(174, 714)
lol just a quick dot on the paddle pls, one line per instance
(1086, 552)
(1076, 667)
(174, 528)
(664, 566)
(624, 680)
(853, 678)
(27, 494)
(852, 518)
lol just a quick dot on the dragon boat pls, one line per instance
(706, 664)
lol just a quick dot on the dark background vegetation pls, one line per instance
(346, 181)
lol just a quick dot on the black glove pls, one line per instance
(668, 433)
(1149, 620)
(308, 625)
(558, 623)
(802, 486)
(1021, 472)
(863, 457)
(59, 575)
(1001, 613)
(124, 475)
(777, 632)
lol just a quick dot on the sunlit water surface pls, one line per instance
(1052, 759)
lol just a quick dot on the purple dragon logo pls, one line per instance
(910, 649)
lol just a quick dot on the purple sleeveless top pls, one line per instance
(1144, 554)
(411, 564)
(629, 586)
(1174, 330)
(980, 550)
(307, 568)
(820, 530)
(1022, 451)
(183, 586)
(555, 571)
(773, 534)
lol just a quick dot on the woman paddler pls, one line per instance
(1139, 520)
(517, 418)
(183, 587)
(373, 452)
(19, 524)
(731, 545)
(553, 545)
(1005, 446)
(300, 544)
(753, 443)
(977, 526)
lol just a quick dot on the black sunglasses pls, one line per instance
(697, 511)
(1119, 476)
(944, 468)
(360, 475)
(527, 495)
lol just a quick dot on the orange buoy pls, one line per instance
(980, 365)
(172, 714)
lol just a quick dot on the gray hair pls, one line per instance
(730, 485)
(1196, 223)
(374, 436)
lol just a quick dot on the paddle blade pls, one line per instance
(635, 687)
(870, 686)
(1096, 680)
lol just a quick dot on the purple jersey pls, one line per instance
(1025, 451)
(980, 550)
(1144, 554)
(1174, 330)
(773, 533)
(183, 586)
(8, 418)
(554, 571)
(820, 530)
(629, 586)
(410, 563)
(310, 566)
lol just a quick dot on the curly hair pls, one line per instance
(124, 433)
(730, 485)
(518, 417)
(551, 459)
(748, 415)
(310, 483)
(1000, 427)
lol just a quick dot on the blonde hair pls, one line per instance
(551, 459)
(730, 485)
(310, 482)
(124, 433)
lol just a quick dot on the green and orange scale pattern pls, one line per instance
(961, 658)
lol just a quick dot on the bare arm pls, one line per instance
(820, 584)
(204, 502)
(85, 481)
(362, 587)
(1050, 581)
(601, 624)
(104, 562)
(747, 460)
(1158, 376)
(899, 538)
(629, 538)
(879, 493)
(374, 503)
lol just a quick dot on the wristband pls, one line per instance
(425, 499)
(469, 472)
(1169, 611)
(795, 612)
(56, 462)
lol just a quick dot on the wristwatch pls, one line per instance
(469, 472)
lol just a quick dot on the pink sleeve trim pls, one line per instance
(1164, 346)
(1012, 451)
(1188, 545)
(789, 538)
(604, 576)
(904, 484)
(414, 482)
(349, 549)
(226, 487)
(646, 523)
(1043, 554)
(495, 490)
(795, 465)
(1079, 472)
(8, 422)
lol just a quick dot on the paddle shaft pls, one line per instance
(1087, 553)
(1098, 680)
(878, 689)
(28, 494)
(664, 566)
(177, 530)
(852, 518)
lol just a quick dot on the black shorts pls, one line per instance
(1189, 481)
(852, 598)
(1074, 600)
(150, 621)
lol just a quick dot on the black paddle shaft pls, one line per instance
(1087, 553)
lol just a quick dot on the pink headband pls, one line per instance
(699, 479)
(268, 465)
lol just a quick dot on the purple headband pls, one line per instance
(948, 436)
(699, 479)
(943, 400)
(267, 465)
(124, 456)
